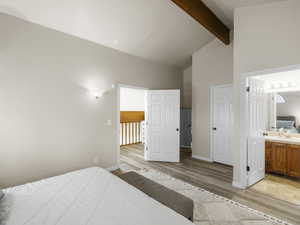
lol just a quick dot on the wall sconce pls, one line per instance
(97, 94)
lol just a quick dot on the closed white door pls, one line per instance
(257, 117)
(222, 124)
(162, 125)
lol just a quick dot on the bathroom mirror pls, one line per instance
(284, 112)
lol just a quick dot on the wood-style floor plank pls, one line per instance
(214, 177)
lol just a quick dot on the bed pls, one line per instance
(287, 124)
(86, 197)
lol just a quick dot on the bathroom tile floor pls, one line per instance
(283, 188)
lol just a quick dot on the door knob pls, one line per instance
(177, 129)
(214, 128)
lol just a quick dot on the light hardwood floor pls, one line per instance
(213, 177)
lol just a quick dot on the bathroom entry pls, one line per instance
(273, 138)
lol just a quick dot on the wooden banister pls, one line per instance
(130, 127)
(132, 116)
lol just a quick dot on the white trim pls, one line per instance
(117, 141)
(131, 86)
(202, 158)
(117, 92)
(211, 118)
(112, 168)
(244, 114)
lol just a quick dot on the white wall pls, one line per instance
(132, 99)
(187, 88)
(49, 122)
(265, 37)
(212, 65)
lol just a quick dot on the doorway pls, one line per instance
(272, 116)
(148, 123)
(131, 120)
(221, 123)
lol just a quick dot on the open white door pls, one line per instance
(257, 115)
(162, 125)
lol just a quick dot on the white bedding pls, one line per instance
(84, 197)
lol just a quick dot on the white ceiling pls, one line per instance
(156, 30)
(224, 9)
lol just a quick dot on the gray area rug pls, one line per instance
(212, 209)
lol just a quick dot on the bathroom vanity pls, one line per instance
(283, 156)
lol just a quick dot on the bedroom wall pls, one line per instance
(212, 65)
(266, 37)
(50, 123)
(187, 88)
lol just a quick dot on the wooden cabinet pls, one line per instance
(268, 157)
(278, 158)
(293, 160)
(283, 159)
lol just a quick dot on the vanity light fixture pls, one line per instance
(292, 84)
(285, 85)
(282, 87)
(276, 85)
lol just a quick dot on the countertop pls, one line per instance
(286, 140)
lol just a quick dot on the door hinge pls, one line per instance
(146, 148)
(248, 89)
(248, 168)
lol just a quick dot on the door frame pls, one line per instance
(240, 167)
(211, 120)
(117, 124)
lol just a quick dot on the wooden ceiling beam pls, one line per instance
(200, 12)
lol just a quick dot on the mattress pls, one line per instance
(84, 197)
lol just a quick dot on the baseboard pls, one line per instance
(113, 168)
(201, 158)
(238, 185)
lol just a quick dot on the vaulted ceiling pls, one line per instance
(156, 30)
(224, 9)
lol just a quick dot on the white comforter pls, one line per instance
(85, 197)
